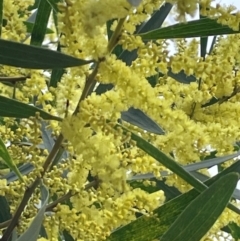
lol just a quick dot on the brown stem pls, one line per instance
(59, 200)
(194, 103)
(90, 83)
(67, 196)
(52, 154)
(193, 109)
(116, 35)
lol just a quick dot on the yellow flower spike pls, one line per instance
(6, 158)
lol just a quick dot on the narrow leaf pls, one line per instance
(153, 227)
(166, 161)
(235, 230)
(150, 228)
(126, 56)
(4, 210)
(181, 77)
(213, 101)
(154, 22)
(33, 231)
(41, 21)
(27, 56)
(24, 170)
(102, 88)
(118, 49)
(43, 232)
(138, 118)
(30, 25)
(56, 77)
(210, 162)
(67, 236)
(157, 18)
(56, 74)
(213, 44)
(197, 28)
(6, 158)
(54, 5)
(109, 31)
(14, 108)
(169, 192)
(203, 46)
(203, 211)
(203, 42)
(147, 176)
(153, 80)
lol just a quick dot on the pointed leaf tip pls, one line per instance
(27, 56)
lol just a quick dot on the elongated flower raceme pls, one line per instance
(88, 162)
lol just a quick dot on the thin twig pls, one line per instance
(52, 154)
(116, 35)
(59, 200)
(67, 196)
(194, 103)
(90, 83)
(226, 98)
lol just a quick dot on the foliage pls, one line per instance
(106, 133)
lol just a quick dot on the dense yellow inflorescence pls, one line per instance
(101, 157)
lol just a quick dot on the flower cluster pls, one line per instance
(89, 180)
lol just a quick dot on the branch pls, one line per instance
(89, 85)
(116, 35)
